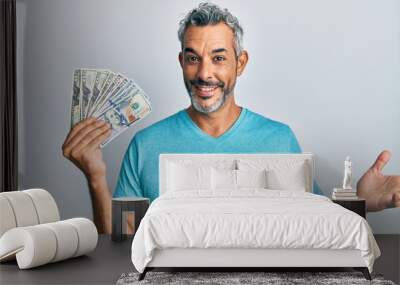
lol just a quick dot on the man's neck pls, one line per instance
(216, 123)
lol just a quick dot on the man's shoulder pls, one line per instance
(276, 136)
(261, 122)
(159, 127)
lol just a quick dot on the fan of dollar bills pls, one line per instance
(108, 96)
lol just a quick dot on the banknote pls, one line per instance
(88, 78)
(75, 107)
(99, 82)
(108, 96)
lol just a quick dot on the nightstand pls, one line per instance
(357, 206)
(122, 205)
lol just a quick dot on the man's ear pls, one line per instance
(242, 61)
(180, 58)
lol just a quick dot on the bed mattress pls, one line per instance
(252, 219)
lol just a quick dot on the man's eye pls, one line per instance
(192, 58)
(219, 58)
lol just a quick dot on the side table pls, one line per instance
(138, 205)
(357, 206)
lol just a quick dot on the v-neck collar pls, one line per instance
(208, 137)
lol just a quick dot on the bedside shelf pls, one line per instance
(138, 205)
(357, 206)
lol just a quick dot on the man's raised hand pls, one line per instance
(380, 191)
(82, 146)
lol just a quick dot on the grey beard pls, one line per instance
(214, 107)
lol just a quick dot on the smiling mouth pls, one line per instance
(205, 92)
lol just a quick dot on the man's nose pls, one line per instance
(205, 71)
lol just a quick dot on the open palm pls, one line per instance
(380, 191)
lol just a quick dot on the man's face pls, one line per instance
(209, 65)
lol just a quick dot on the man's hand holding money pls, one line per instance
(82, 146)
(104, 104)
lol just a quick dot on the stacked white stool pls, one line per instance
(31, 230)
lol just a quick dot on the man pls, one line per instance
(212, 58)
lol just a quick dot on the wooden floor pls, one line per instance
(389, 262)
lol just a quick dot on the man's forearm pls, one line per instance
(101, 204)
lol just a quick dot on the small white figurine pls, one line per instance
(347, 174)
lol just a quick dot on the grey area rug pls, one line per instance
(228, 278)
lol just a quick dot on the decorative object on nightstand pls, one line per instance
(121, 207)
(347, 196)
(346, 192)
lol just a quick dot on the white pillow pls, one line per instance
(223, 179)
(251, 178)
(282, 174)
(184, 177)
(294, 178)
(236, 179)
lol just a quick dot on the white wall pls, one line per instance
(329, 69)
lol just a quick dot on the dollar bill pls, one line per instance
(109, 80)
(125, 114)
(107, 93)
(123, 94)
(75, 107)
(107, 96)
(88, 78)
(114, 93)
(99, 81)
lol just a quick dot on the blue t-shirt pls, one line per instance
(250, 133)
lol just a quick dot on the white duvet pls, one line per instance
(251, 218)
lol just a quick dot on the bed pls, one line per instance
(245, 211)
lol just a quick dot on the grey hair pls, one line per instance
(211, 14)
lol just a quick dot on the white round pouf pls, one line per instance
(87, 233)
(33, 246)
(7, 220)
(31, 232)
(46, 207)
(23, 208)
(40, 244)
(67, 240)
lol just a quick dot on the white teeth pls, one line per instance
(206, 88)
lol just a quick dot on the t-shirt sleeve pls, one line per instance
(128, 183)
(293, 144)
(295, 148)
